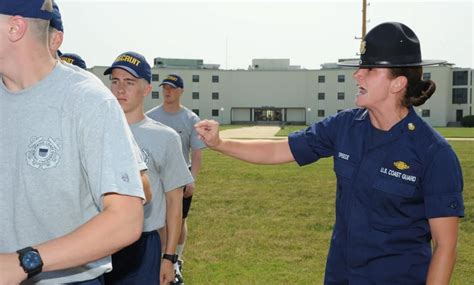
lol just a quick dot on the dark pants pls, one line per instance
(186, 205)
(138, 263)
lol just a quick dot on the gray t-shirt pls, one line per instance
(141, 163)
(183, 123)
(167, 170)
(64, 143)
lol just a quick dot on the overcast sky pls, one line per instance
(232, 33)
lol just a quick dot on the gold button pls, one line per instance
(411, 126)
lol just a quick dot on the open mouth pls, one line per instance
(361, 91)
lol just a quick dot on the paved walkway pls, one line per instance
(268, 132)
(460, 139)
(255, 132)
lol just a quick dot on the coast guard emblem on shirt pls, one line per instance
(43, 154)
(145, 155)
(400, 165)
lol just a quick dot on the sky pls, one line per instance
(232, 33)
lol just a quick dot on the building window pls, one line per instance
(195, 95)
(215, 112)
(155, 95)
(215, 79)
(321, 96)
(459, 95)
(460, 77)
(215, 95)
(341, 78)
(155, 77)
(425, 113)
(196, 111)
(320, 113)
(340, 95)
(195, 78)
(321, 79)
(427, 76)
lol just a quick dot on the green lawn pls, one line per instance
(446, 132)
(456, 132)
(272, 224)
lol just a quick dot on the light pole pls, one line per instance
(221, 114)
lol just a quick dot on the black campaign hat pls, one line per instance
(390, 44)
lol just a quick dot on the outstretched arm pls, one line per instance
(253, 151)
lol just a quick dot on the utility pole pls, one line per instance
(364, 18)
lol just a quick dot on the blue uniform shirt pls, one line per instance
(388, 185)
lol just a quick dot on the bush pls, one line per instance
(468, 121)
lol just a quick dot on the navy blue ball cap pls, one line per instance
(36, 9)
(390, 44)
(134, 63)
(56, 21)
(173, 80)
(75, 59)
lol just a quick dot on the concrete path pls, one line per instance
(460, 139)
(268, 132)
(255, 132)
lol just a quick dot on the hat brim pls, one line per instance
(357, 63)
(126, 68)
(168, 83)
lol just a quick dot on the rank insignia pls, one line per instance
(362, 47)
(400, 165)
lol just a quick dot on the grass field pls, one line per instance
(272, 224)
(446, 132)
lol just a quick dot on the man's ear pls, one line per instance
(148, 90)
(56, 40)
(17, 28)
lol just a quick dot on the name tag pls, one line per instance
(343, 156)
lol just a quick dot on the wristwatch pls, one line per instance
(171, 257)
(30, 261)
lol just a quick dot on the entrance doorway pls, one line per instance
(268, 115)
(459, 115)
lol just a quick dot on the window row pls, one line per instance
(340, 78)
(214, 112)
(215, 95)
(340, 96)
(459, 96)
(195, 78)
(214, 78)
(322, 113)
(195, 95)
(460, 77)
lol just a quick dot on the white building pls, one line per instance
(272, 91)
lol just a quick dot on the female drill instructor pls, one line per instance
(399, 183)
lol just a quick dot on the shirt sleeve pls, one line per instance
(315, 142)
(196, 143)
(138, 155)
(175, 172)
(107, 155)
(443, 185)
